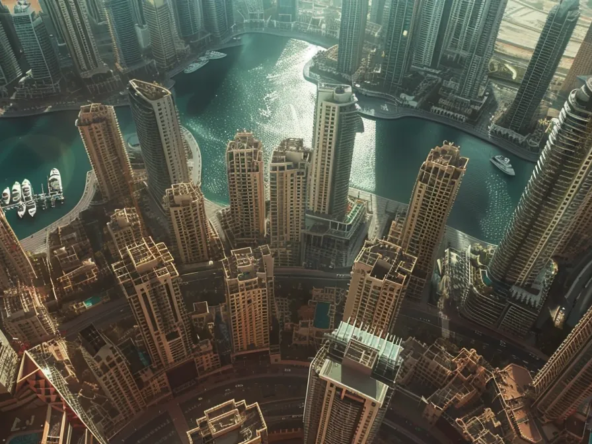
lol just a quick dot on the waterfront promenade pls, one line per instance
(37, 242)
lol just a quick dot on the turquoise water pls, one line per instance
(260, 87)
(92, 301)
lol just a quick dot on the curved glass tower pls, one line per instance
(556, 190)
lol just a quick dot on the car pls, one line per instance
(287, 369)
(200, 399)
(238, 385)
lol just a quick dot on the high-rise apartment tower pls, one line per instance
(189, 18)
(10, 69)
(159, 132)
(565, 382)
(249, 281)
(191, 228)
(104, 144)
(149, 280)
(581, 66)
(398, 50)
(218, 17)
(351, 36)
(128, 53)
(550, 47)
(426, 31)
(431, 201)
(244, 169)
(288, 179)
(167, 46)
(350, 383)
(15, 265)
(548, 209)
(380, 276)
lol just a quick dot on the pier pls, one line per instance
(38, 198)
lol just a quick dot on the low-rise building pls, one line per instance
(232, 423)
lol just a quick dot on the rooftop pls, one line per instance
(149, 91)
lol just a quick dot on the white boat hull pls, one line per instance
(509, 172)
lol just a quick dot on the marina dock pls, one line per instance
(38, 198)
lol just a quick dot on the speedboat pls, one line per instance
(16, 192)
(31, 208)
(503, 163)
(55, 182)
(21, 210)
(201, 62)
(6, 196)
(214, 55)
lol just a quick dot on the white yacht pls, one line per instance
(6, 196)
(55, 182)
(21, 210)
(503, 163)
(16, 192)
(201, 62)
(214, 55)
(28, 198)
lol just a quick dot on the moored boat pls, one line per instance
(28, 198)
(214, 55)
(21, 210)
(16, 192)
(6, 196)
(55, 182)
(201, 62)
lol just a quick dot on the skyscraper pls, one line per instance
(96, 10)
(249, 281)
(336, 123)
(334, 226)
(167, 48)
(191, 228)
(380, 276)
(104, 144)
(218, 17)
(288, 179)
(432, 198)
(111, 369)
(9, 365)
(351, 36)
(350, 383)
(189, 18)
(398, 42)
(287, 11)
(244, 169)
(15, 265)
(24, 316)
(552, 199)
(10, 69)
(128, 53)
(550, 47)
(7, 23)
(149, 280)
(426, 32)
(377, 11)
(159, 132)
(36, 43)
(125, 228)
(232, 423)
(581, 66)
(565, 381)
(72, 20)
(470, 41)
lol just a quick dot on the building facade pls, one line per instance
(10, 69)
(218, 17)
(25, 318)
(426, 32)
(231, 422)
(433, 196)
(559, 27)
(149, 280)
(288, 180)
(189, 18)
(167, 47)
(159, 132)
(16, 265)
(351, 36)
(581, 66)
(350, 383)
(126, 46)
(194, 236)
(100, 133)
(36, 44)
(125, 229)
(111, 370)
(244, 169)
(248, 275)
(565, 382)
(287, 11)
(380, 276)
(555, 193)
(72, 18)
(398, 49)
